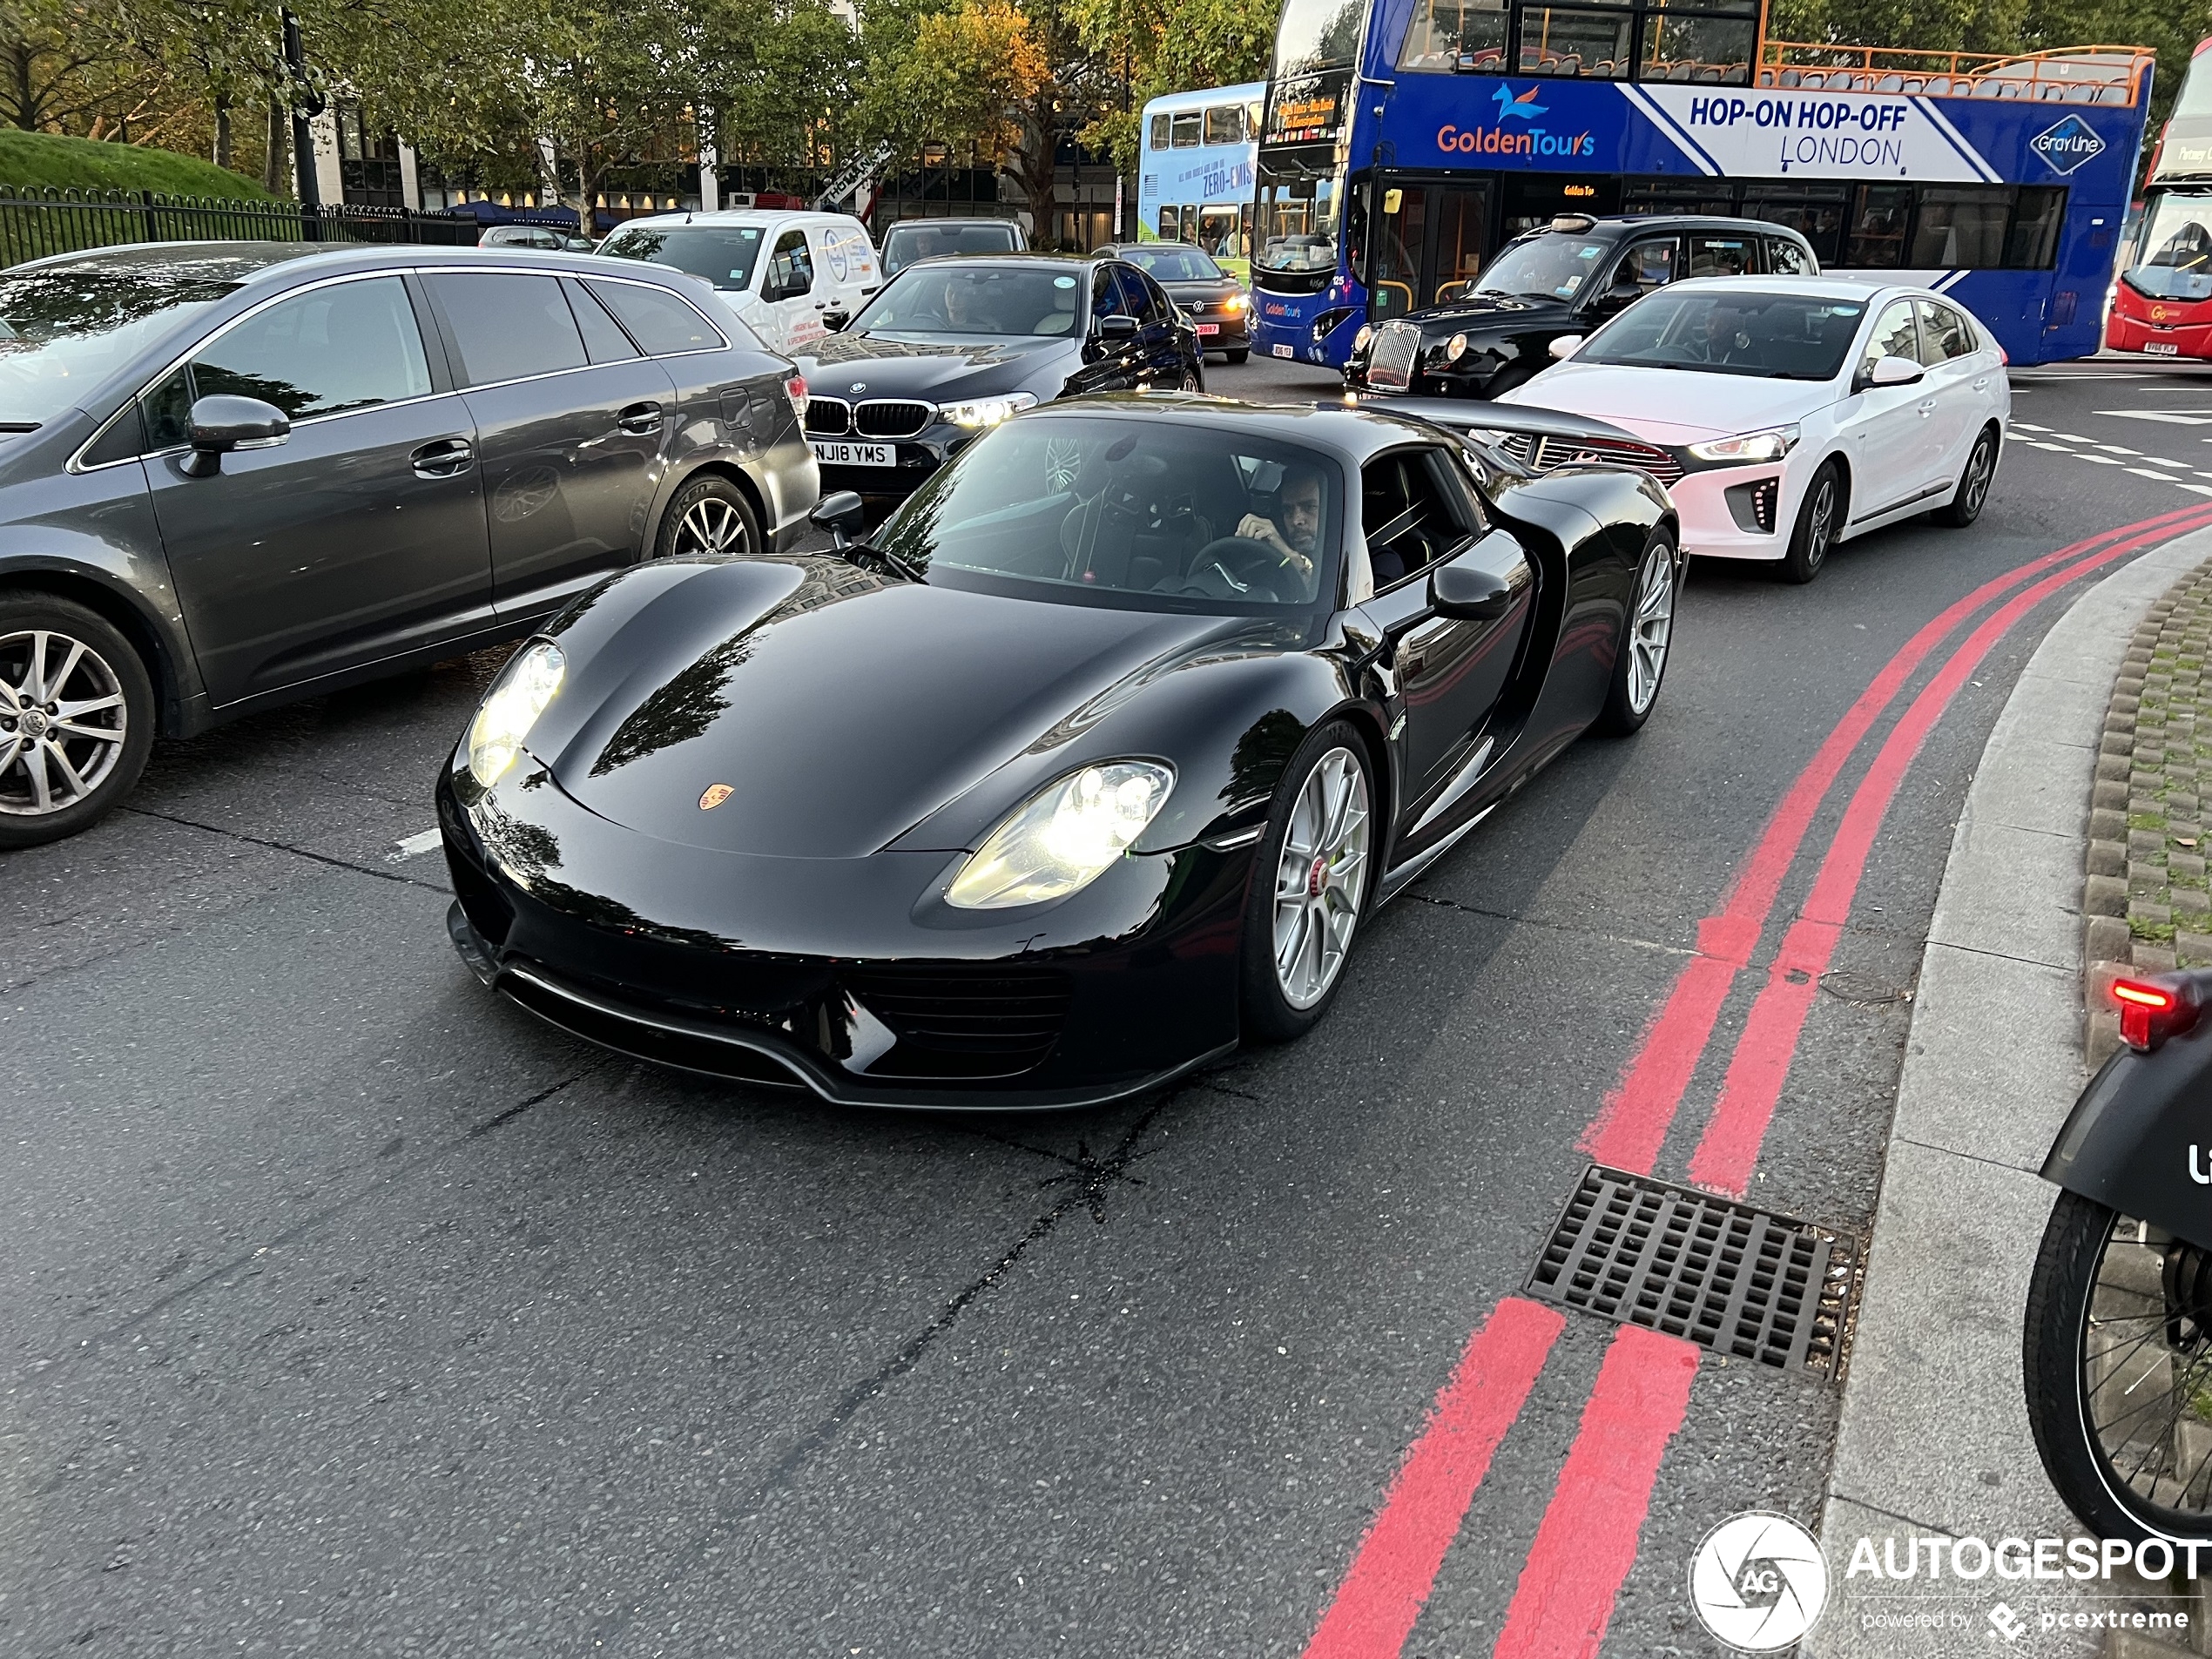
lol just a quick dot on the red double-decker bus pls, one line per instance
(2161, 305)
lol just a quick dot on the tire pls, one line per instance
(1279, 1004)
(2060, 1344)
(1237, 358)
(1820, 515)
(1640, 666)
(710, 518)
(1194, 378)
(60, 662)
(1965, 503)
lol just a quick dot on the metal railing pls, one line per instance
(2069, 75)
(36, 222)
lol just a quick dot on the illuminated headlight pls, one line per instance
(1769, 445)
(987, 411)
(1361, 340)
(1064, 838)
(511, 708)
(1235, 303)
(1455, 348)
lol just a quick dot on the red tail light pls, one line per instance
(2152, 1010)
(795, 389)
(2004, 356)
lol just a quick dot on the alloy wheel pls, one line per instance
(1981, 467)
(1321, 878)
(712, 525)
(1822, 526)
(63, 722)
(1651, 628)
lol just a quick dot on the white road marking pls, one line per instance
(2201, 490)
(2072, 437)
(415, 847)
(2029, 426)
(2171, 417)
(2102, 461)
(2145, 472)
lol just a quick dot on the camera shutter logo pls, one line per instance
(1759, 1581)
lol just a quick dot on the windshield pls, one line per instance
(1544, 267)
(724, 255)
(1174, 263)
(1142, 515)
(904, 243)
(1774, 336)
(2177, 251)
(1298, 214)
(62, 332)
(1318, 34)
(975, 300)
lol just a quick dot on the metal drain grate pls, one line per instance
(1740, 1281)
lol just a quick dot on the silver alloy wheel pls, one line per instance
(1981, 467)
(63, 722)
(1189, 382)
(1651, 627)
(712, 525)
(1822, 524)
(1321, 878)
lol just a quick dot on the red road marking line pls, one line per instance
(1634, 1118)
(1383, 1594)
(1730, 1148)
(1588, 1540)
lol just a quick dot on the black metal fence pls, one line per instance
(34, 223)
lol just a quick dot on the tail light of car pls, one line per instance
(2155, 1009)
(795, 389)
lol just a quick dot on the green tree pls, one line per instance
(1172, 46)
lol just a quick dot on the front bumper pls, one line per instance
(1737, 512)
(849, 975)
(2123, 333)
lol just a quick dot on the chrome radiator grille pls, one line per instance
(1389, 360)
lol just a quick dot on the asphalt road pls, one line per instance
(348, 1310)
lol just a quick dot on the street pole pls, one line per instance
(303, 137)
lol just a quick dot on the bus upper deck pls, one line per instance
(1195, 167)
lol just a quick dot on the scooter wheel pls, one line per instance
(2117, 1361)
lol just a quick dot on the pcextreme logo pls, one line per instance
(1496, 141)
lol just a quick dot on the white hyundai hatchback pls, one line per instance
(1787, 413)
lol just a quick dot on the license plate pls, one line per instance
(854, 454)
(1284, 351)
(1205, 328)
(2161, 348)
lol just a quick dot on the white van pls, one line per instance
(790, 275)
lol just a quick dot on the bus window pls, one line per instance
(1720, 256)
(1171, 226)
(1960, 225)
(1158, 138)
(1245, 231)
(1225, 124)
(1557, 41)
(1815, 212)
(1183, 129)
(1398, 252)
(1189, 223)
(1454, 34)
(1297, 212)
(1461, 217)
(1877, 226)
(1217, 231)
(1668, 196)
(2032, 242)
(1318, 34)
(2177, 250)
(1715, 50)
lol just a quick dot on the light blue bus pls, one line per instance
(1195, 169)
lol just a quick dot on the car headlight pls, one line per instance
(511, 708)
(1361, 340)
(1769, 445)
(987, 411)
(1235, 303)
(1064, 837)
(1455, 348)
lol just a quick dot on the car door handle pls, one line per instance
(1927, 408)
(640, 418)
(443, 458)
(1982, 383)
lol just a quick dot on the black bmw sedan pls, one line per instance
(1214, 300)
(236, 473)
(1487, 332)
(1091, 764)
(951, 348)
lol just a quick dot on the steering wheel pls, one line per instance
(1238, 567)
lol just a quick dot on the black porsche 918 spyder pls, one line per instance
(1087, 769)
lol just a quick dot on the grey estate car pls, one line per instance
(234, 473)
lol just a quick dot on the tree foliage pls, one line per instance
(1172, 46)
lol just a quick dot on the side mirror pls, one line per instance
(1464, 589)
(1891, 371)
(577, 244)
(1118, 327)
(844, 515)
(219, 425)
(835, 321)
(1565, 346)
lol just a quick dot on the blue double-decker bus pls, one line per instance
(1194, 166)
(1398, 155)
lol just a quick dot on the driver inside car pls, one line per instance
(1295, 531)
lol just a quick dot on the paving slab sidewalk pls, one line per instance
(1934, 1438)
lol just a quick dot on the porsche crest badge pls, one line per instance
(715, 795)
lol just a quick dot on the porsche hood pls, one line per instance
(803, 708)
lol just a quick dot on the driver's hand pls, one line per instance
(1256, 527)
